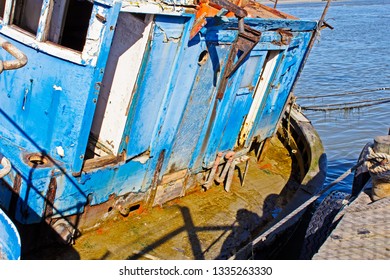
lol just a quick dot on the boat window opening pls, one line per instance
(259, 94)
(141, 17)
(2, 8)
(248, 79)
(69, 23)
(26, 14)
(119, 81)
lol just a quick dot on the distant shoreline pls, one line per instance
(291, 1)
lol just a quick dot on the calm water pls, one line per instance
(352, 57)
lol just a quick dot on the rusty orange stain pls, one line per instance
(266, 166)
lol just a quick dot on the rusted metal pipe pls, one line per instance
(232, 167)
(229, 157)
(20, 58)
(210, 179)
(230, 174)
(237, 10)
(6, 166)
(276, 3)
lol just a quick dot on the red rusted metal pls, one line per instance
(50, 196)
(208, 8)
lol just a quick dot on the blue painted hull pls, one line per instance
(10, 245)
(174, 123)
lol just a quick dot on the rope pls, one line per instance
(344, 93)
(331, 107)
(378, 164)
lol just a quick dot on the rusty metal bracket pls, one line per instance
(212, 8)
(237, 10)
(326, 25)
(20, 58)
(244, 44)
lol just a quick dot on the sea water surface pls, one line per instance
(353, 57)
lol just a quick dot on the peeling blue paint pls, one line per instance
(174, 120)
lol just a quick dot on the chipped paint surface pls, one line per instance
(168, 121)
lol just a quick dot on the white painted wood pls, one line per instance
(55, 50)
(128, 47)
(259, 94)
(150, 7)
(7, 11)
(45, 19)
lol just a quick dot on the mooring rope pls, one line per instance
(344, 93)
(345, 106)
(378, 164)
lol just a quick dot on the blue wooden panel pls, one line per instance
(279, 90)
(240, 109)
(72, 193)
(31, 202)
(231, 111)
(41, 94)
(175, 106)
(268, 24)
(153, 84)
(48, 103)
(198, 107)
(110, 11)
(43, 107)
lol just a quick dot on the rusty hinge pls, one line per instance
(285, 37)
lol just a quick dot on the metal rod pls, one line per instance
(237, 10)
(311, 43)
(20, 58)
(6, 166)
(276, 3)
(207, 184)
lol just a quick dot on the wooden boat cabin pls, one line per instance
(109, 106)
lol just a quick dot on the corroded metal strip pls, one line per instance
(50, 196)
(15, 194)
(237, 10)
